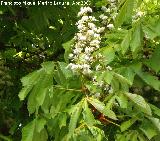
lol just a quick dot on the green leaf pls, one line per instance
(155, 110)
(126, 42)
(125, 125)
(122, 100)
(122, 79)
(127, 73)
(102, 108)
(40, 123)
(24, 92)
(68, 49)
(136, 38)
(87, 114)
(152, 28)
(62, 67)
(74, 117)
(152, 62)
(155, 122)
(43, 87)
(150, 80)
(108, 53)
(62, 120)
(149, 31)
(97, 133)
(28, 131)
(38, 92)
(48, 67)
(28, 81)
(34, 131)
(108, 76)
(31, 103)
(125, 13)
(140, 102)
(42, 136)
(148, 129)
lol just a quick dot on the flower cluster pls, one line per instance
(138, 15)
(87, 40)
(109, 14)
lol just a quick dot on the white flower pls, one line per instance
(84, 10)
(139, 14)
(103, 17)
(82, 38)
(109, 68)
(86, 66)
(80, 27)
(111, 90)
(93, 19)
(88, 50)
(108, 10)
(97, 35)
(98, 67)
(100, 30)
(110, 26)
(85, 18)
(101, 83)
(77, 50)
(94, 43)
(71, 55)
(104, 8)
(91, 25)
(90, 32)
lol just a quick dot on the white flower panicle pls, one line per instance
(87, 40)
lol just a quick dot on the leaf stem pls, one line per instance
(62, 88)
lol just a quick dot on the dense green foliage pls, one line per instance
(42, 99)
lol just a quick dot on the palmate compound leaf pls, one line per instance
(39, 91)
(102, 108)
(139, 102)
(38, 84)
